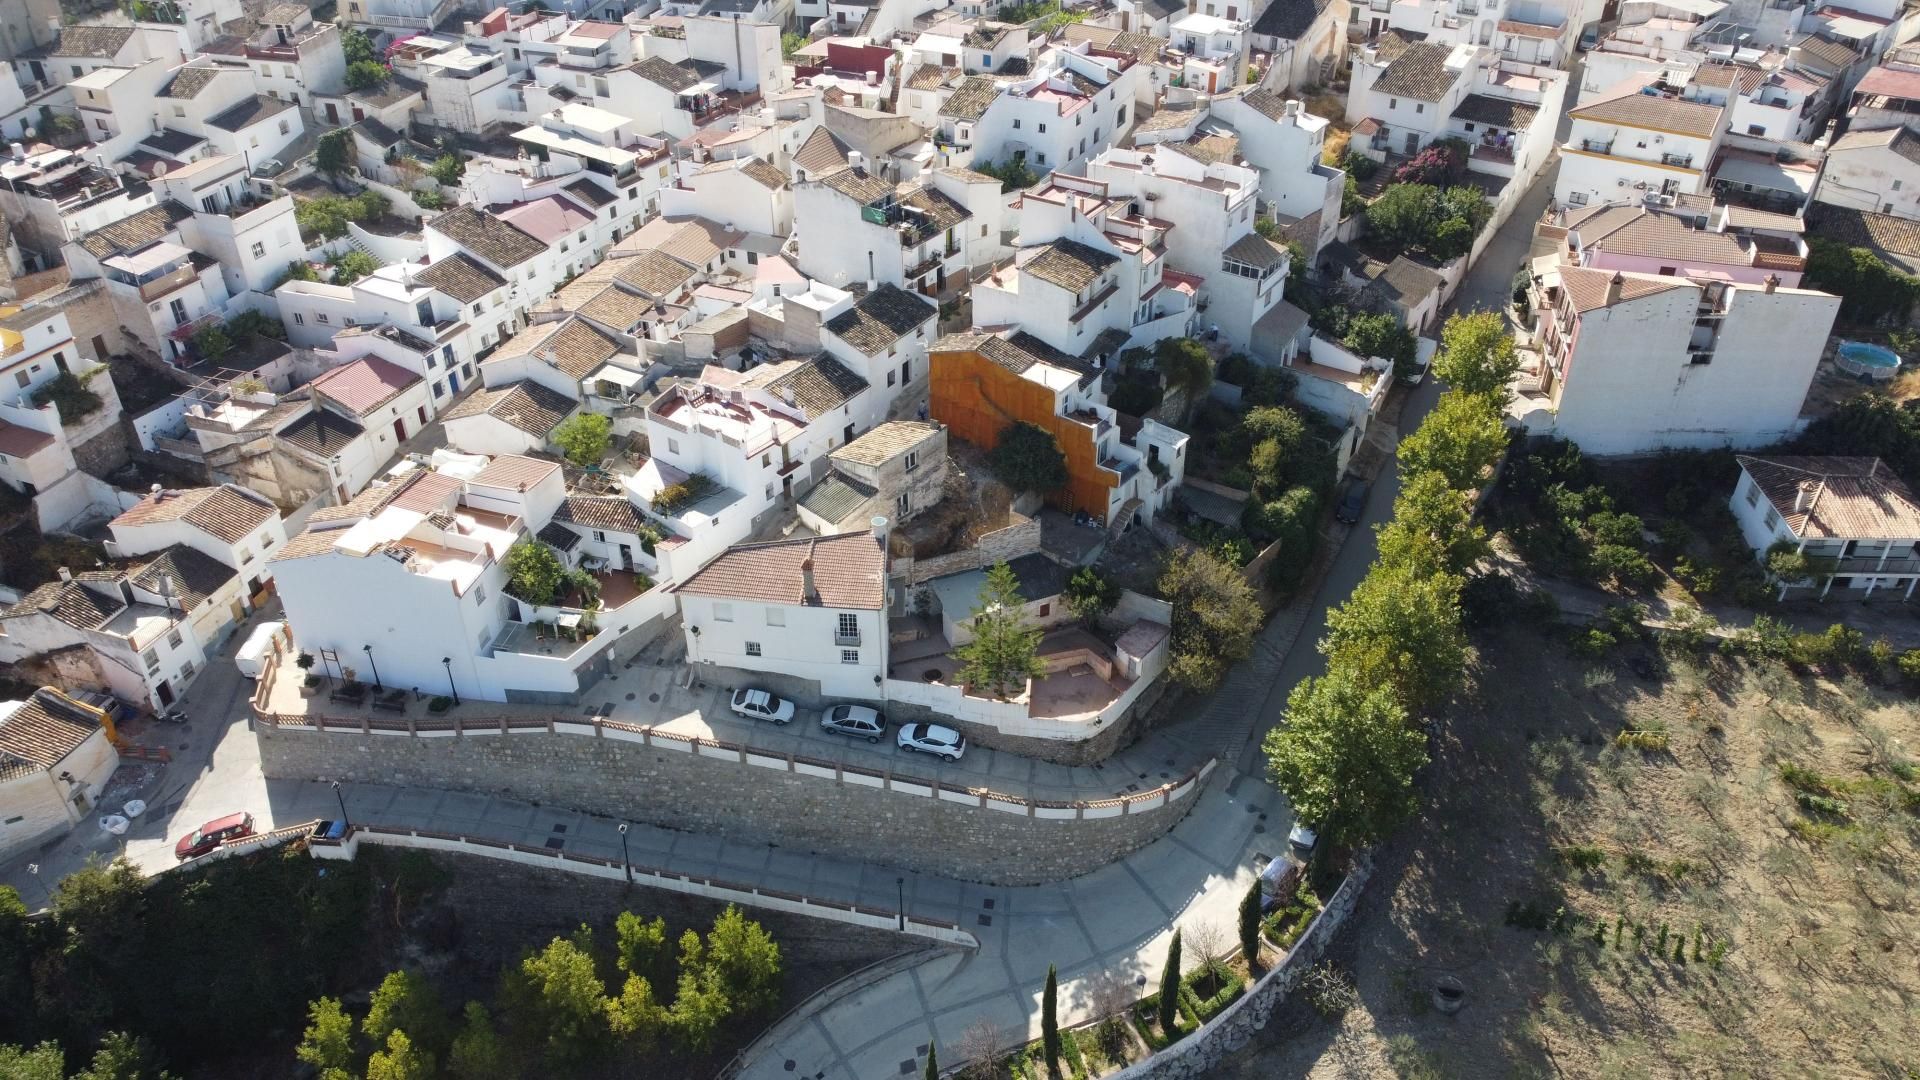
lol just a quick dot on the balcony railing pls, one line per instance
(1684, 161)
(852, 639)
(1870, 564)
(173, 279)
(1595, 146)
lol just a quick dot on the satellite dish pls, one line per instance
(159, 169)
(30, 132)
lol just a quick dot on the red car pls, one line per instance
(212, 835)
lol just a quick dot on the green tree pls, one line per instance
(1050, 1022)
(1186, 365)
(640, 947)
(1002, 655)
(1403, 215)
(744, 960)
(699, 1008)
(1026, 458)
(791, 43)
(1462, 439)
(1344, 755)
(406, 1001)
(1432, 528)
(327, 1044)
(1012, 173)
(1215, 616)
(357, 46)
(1091, 595)
(932, 1071)
(534, 573)
(211, 342)
(635, 1017)
(1249, 924)
(333, 155)
(560, 998)
(478, 1053)
(1870, 290)
(351, 266)
(367, 75)
(1477, 356)
(1401, 630)
(121, 1056)
(447, 169)
(1169, 1004)
(43, 1062)
(584, 438)
(401, 1060)
(1385, 337)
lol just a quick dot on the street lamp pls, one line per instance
(343, 806)
(900, 883)
(368, 649)
(626, 859)
(447, 662)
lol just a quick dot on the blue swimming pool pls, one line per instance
(1867, 360)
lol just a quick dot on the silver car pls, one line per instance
(760, 705)
(856, 720)
(933, 739)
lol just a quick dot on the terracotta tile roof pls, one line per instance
(1901, 140)
(598, 512)
(365, 384)
(1420, 73)
(859, 185)
(462, 277)
(20, 442)
(1835, 56)
(321, 431)
(763, 172)
(1173, 115)
(655, 273)
(1017, 353)
(307, 544)
(881, 318)
(574, 347)
(558, 536)
(1211, 149)
(849, 571)
(1746, 217)
(697, 241)
(1885, 233)
(426, 492)
(940, 211)
(70, 602)
(590, 193)
(363, 505)
(1289, 18)
(616, 308)
(514, 471)
(886, 442)
(820, 154)
(971, 99)
(930, 76)
(1069, 264)
(224, 513)
(137, 231)
(1256, 251)
(190, 576)
(498, 242)
(1852, 498)
(971, 176)
(46, 728)
(1588, 288)
(93, 42)
(188, 81)
(1389, 45)
(1655, 112)
(1265, 102)
(1403, 282)
(1739, 79)
(817, 386)
(1500, 112)
(252, 111)
(525, 405)
(835, 498)
(1652, 234)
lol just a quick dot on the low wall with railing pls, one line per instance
(739, 792)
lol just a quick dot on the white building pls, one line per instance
(1873, 170)
(853, 226)
(1417, 93)
(1851, 513)
(231, 525)
(294, 58)
(1284, 143)
(1636, 362)
(811, 609)
(1306, 39)
(1078, 101)
(56, 756)
(1640, 138)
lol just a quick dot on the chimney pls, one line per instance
(880, 530)
(1773, 282)
(808, 594)
(1614, 284)
(155, 492)
(65, 574)
(1802, 493)
(1293, 109)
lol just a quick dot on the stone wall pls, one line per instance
(1002, 545)
(1199, 1054)
(731, 791)
(106, 452)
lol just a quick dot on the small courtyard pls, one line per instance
(1081, 677)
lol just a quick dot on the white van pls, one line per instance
(259, 644)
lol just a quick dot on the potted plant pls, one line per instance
(305, 663)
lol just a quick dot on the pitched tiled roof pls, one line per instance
(820, 154)
(1901, 140)
(697, 241)
(574, 346)
(836, 497)
(1420, 73)
(376, 132)
(363, 505)
(220, 512)
(483, 234)
(759, 169)
(1588, 288)
(307, 544)
(849, 571)
(1173, 114)
(655, 273)
(858, 185)
(136, 231)
(524, 404)
(321, 432)
(881, 318)
(393, 91)
(1069, 264)
(1256, 251)
(1266, 102)
(462, 277)
(886, 442)
(930, 76)
(1885, 233)
(45, 729)
(558, 536)
(514, 471)
(93, 42)
(1655, 112)
(1405, 282)
(1016, 354)
(971, 176)
(185, 573)
(590, 193)
(1835, 56)
(1852, 498)
(937, 210)
(1642, 232)
(1500, 112)
(365, 384)
(426, 492)
(20, 442)
(249, 112)
(665, 73)
(1289, 19)
(817, 386)
(616, 308)
(601, 512)
(70, 602)
(187, 82)
(971, 99)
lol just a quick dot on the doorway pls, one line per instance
(165, 691)
(626, 558)
(333, 114)
(400, 430)
(100, 348)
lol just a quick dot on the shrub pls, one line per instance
(676, 497)
(534, 572)
(1649, 741)
(1359, 166)
(351, 266)
(429, 200)
(1583, 857)
(584, 438)
(1439, 165)
(447, 169)
(1027, 458)
(365, 75)
(70, 395)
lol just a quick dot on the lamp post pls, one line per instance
(368, 649)
(343, 806)
(447, 662)
(626, 859)
(900, 884)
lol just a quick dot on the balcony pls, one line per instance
(1093, 305)
(1683, 161)
(177, 278)
(1595, 146)
(850, 640)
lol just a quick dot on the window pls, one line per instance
(1393, 103)
(259, 249)
(673, 446)
(174, 640)
(1419, 107)
(600, 536)
(479, 595)
(479, 309)
(1046, 610)
(1753, 493)
(889, 378)
(753, 648)
(179, 110)
(186, 671)
(903, 504)
(849, 656)
(723, 613)
(152, 660)
(776, 617)
(1756, 129)
(299, 319)
(913, 460)
(1016, 123)
(1043, 129)
(22, 378)
(1773, 519)
(324, 318)
(246, 556)
(1896, 185)
(439, 389)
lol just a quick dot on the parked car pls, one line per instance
(1589, 39)
(856, 720)
(212, 835)
(1353, 503)
(1302, 838)
(760, 705)
(933, 739)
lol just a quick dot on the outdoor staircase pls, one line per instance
(1125, 517)
(360, 246)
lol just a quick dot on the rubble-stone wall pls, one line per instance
(753, 797)
(1002, 545)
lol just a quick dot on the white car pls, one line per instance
(856, 720)
(933, 739)
(760, 705)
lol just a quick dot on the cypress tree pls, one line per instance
(1170, 987)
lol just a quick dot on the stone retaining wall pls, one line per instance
(741, 794)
